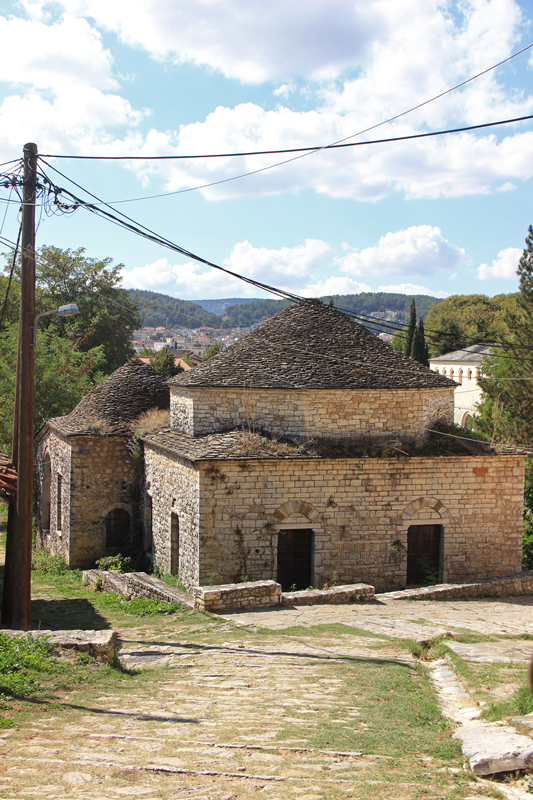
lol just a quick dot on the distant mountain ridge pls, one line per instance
(241, 312)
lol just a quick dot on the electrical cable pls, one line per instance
(308, 150)
(4, 306)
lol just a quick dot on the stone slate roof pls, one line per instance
(112, 406)
(312, 346)
(474, 353)
(242, 445)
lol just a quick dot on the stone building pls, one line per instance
(311, 452)
(464, 367)
(89, 482)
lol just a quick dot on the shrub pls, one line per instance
(527, 560)
(118, 563)
(43, 561)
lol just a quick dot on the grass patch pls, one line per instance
(323, 630)
(140, 607)
(22, 662)
(520, 704)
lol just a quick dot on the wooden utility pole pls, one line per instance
(18, 560)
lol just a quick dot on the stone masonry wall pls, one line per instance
(173, 484)
(59, 452)
(102, 479)
(360, 510)
(329, 413)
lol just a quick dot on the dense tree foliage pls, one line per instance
(171, 312)
(463, 320)
(243, 315)
(73, 353)
(164, 362)
(212, 350)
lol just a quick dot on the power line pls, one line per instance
(309, 150)
(4, 306)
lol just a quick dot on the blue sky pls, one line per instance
(162, 77)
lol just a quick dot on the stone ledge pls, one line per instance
(231, 596)
(99, 644)
(136, 585)
(493, 747)
(338, 594)
(502, 586)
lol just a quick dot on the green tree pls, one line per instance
(463, 320)
(164, 362)
(63, 375)
(399, 340)
(108, 316)
(411, 328)
(419, 350)
(188, 360)
(212, 350)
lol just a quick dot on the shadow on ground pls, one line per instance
(71, 614)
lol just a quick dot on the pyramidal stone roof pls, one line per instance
(312, 346)
(113, 405)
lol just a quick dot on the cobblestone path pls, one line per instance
(420, 619)
(212, 722)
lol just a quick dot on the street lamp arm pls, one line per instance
(62, 311)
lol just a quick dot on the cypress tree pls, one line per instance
(419, 350)
(411, 328)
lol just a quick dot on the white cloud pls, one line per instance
(248, 41)
(67, 52)
(400, 52)
(412, 288)
(419, 250)
(289, 268)
(335, 285)
(188, 281)
(504, 265)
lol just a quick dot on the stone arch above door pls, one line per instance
(431, 503)
(293, 507)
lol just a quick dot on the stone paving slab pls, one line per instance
(419, 620)
(502, 652)
(99, 644)
(493, 747)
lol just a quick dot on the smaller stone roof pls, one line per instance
(474, 354)
(112, 406)
(310, 345)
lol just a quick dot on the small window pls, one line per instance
(460, 376)
(444, 370)
(469, 374)
(59, 502)
(117, 528)
(451, 374)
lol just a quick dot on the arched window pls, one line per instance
(436, 369)
(460, 376)
(451, 374)
(469, 374)
(444, 370)
(117, 528)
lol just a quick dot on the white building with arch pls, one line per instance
(464, 367)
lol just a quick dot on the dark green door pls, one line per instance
(295, 559)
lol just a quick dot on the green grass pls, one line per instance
(520, 704)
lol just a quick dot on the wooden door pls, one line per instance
(295, 559)
(423, 554)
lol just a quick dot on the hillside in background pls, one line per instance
(244, 312)
(219, 306)
(175, 314)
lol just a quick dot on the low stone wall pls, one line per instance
(338, 594)
(232, 596)
(99, 644)
(519, 583)
(136, 584)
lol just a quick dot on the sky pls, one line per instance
(443, 215)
